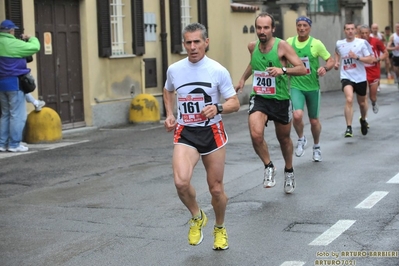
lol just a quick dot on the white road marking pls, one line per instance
(40, 147)
(57, 145)
(293, 263)
(331, 234)
(371, 200)
(394, 180)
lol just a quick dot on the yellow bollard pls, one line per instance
(144, 108)
(43, 126)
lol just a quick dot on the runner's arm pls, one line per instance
(330, 62)
(337, 60)
(390, 45)
(381, 48)
(325, 55)
(297, 69)
(169, 99)
(367, 54)
(232, 104)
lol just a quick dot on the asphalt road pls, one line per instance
(106, 197)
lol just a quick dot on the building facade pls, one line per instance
(97, 55)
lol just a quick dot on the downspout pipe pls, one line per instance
(164, 48)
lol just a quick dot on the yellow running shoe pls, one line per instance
(195, 235)
(220, 242)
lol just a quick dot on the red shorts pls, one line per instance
(373, 74)
(204, 139)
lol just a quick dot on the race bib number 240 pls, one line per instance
(263, 83)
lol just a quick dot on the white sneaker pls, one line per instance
(300, 147)
(3, 149)
(39, 106)
(317, 155)
(375, 108)
(20, 148)
(270, 173)
(289, 182)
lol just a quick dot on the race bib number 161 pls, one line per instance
(190, 108)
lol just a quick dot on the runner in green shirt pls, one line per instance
(270, 98)
(306, 89)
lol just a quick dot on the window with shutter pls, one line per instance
(203, 13)
(175, 26)
(14, 13)
(111, 22)
(104, 29)
(117, 19)
(180, 16)
(138, 27)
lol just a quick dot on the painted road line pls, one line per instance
(293, 263)
(394, 180)
(331, 234)
(7, 154)
(33, 148)
(372, 200)
(53, 146)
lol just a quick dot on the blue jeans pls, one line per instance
(13, 118)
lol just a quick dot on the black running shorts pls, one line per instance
(276, 110)
(204, 139)
(395, 61)
(360, 88)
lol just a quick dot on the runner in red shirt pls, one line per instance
(373, 70)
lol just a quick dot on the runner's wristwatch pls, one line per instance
(219, 107)
(284, 70)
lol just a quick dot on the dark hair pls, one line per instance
(195, 27)
(350, 23)
(265, 14)
(387, 28)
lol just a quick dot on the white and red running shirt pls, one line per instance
(353, 69)
(197, 85)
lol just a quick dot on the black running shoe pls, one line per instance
(363, 126)
(348, 133)
(367, 123)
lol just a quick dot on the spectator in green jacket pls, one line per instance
(13, 53)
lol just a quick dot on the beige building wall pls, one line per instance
(240, 56)
(153, 48)
(108, 83)
(239, 43)
(381, 13)
(289, 18)
(219, 17)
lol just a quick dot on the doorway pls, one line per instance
(60, 82)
